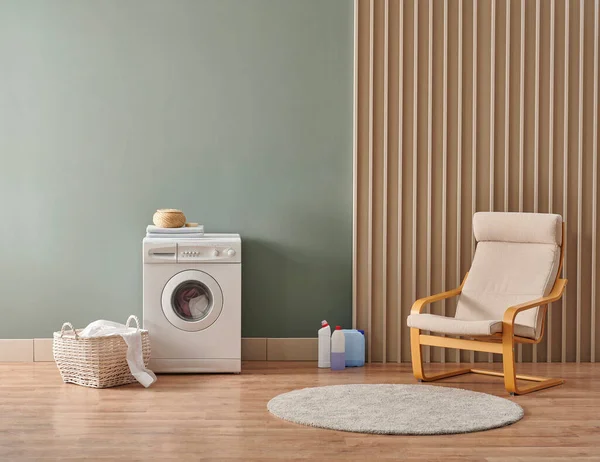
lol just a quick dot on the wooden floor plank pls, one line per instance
(224, 417)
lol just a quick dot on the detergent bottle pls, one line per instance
(324, 345)
(338, 350)
(355, 347)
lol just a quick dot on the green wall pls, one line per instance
(238, 112)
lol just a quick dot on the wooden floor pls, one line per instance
(224, 417)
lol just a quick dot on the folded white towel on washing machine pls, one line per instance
(175, 236)
(151, 229)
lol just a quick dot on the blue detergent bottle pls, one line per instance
(355, 347)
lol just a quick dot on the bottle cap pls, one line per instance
(362, 331)
(338, 327)
(324, 323)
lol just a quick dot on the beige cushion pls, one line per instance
(539, 228)
(509, 272)
(452, 326)
(516, 261)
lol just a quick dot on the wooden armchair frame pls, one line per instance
(501, 343)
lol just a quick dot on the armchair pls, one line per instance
(503, 299)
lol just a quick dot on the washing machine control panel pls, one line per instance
(203, 253)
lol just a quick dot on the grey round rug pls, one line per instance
(395, 409)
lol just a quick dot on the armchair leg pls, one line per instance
(508, 363)
(508, 360)
(510, 374)
(417, 361)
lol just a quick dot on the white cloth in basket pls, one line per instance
(133, 339)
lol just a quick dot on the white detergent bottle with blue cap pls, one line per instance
(324, 345)
(338, 350)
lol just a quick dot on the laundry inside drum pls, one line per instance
(192, 301)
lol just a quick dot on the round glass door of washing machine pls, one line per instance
(192, 300)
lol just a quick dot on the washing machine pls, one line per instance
(193, 303)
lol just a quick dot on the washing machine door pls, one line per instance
(192, 300)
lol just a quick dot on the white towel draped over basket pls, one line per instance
(104, 354)
(133, 339)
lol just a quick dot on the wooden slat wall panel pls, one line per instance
(459, 154)
(462, 106)
(595, 178)
(552, 51)
(565, 185)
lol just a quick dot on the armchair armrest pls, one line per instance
(420, 304)
(511, 313)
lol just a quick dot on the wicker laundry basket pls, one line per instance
(97, 362)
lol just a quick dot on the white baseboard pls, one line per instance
(16, 350)
(253, 349)
(292, 349)
(42, 350)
